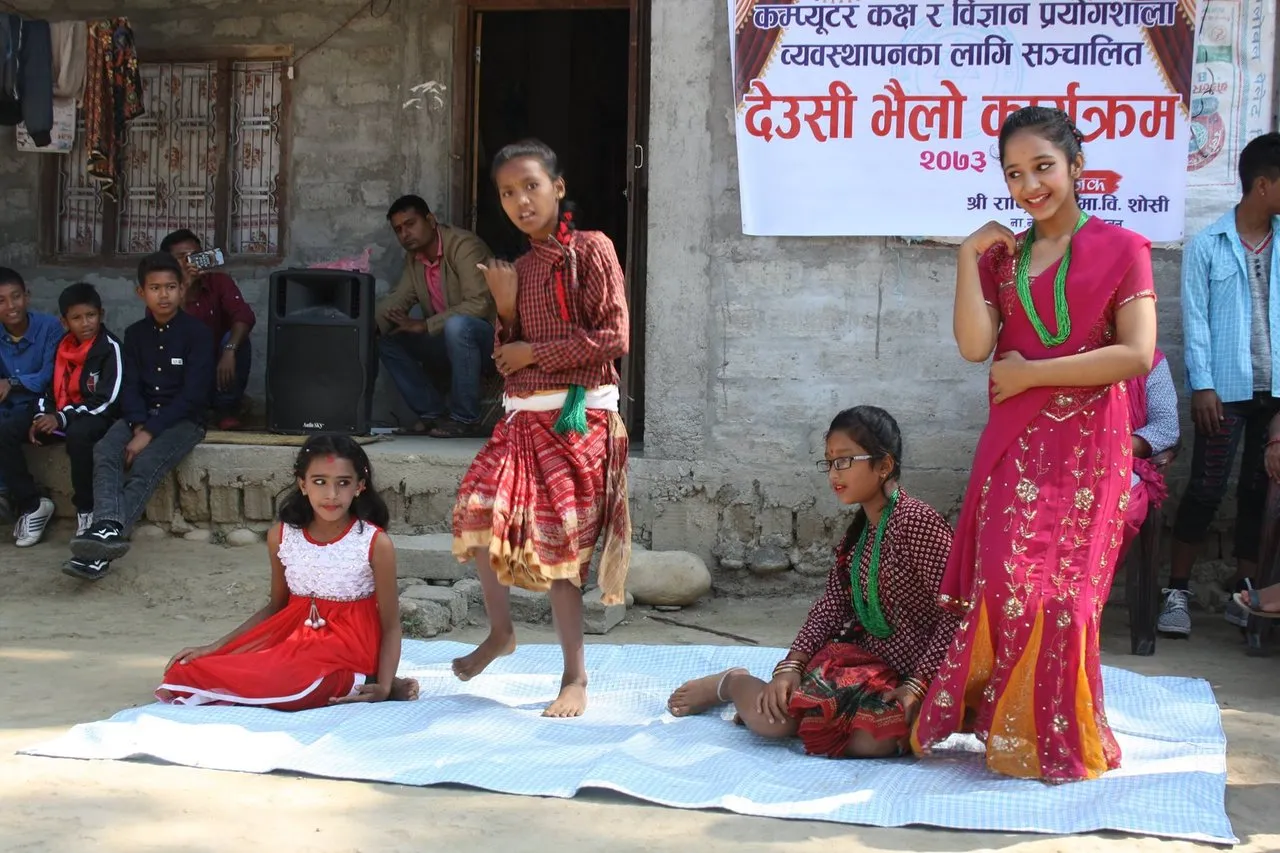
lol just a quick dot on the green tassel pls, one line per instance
(573, 416)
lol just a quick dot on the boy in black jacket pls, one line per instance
(83, 399)
(168, 379)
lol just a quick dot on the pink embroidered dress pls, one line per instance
(1036, 546)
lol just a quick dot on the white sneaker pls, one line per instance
(30, 528)
(1175, 617)
(84, 520)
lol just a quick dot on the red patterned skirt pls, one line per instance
(538, 500)
(843, 692)
(284, 664)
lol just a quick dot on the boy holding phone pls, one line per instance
(214, 299)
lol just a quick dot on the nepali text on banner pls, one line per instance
(864, 118)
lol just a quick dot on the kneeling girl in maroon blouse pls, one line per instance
(854, 677)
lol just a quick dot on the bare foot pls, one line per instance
(404, 690)
(698, 695)
(469, 666)
(571, 702)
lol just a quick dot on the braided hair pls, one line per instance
(1052, 125)
(295, 507)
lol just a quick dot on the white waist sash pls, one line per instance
(604, 398)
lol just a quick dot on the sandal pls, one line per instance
(1252, 602)
(449, 428)
(421, 427)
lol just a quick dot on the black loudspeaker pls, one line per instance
(320, 352)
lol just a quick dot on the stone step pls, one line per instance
(429, 557)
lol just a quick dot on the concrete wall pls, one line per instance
(753, 343)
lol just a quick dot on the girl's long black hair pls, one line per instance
(875, 431)
(295, 508)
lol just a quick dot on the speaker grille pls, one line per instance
(317, 379)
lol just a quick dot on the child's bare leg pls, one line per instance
(566, 611)
(502, 633)
(739, 687)
(404, 689)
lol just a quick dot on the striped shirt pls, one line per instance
(1217, 312)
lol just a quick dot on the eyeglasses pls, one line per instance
(841, 463)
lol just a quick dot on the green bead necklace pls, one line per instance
(870, 613)
(1060, 309)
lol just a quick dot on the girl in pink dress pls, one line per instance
(1068, 309)
(330, 632)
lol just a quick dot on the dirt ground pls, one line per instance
(72, 653)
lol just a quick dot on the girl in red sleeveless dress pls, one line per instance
(331, 630)
(554, 476)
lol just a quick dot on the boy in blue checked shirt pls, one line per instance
(1230, 316)
(168, 379)
(28, 348)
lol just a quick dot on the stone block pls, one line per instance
(259, 503)
(667, 577)
(776, 527)
(149, 531)
(454, 601)
(193, 501)
(430, 557)
(597, 617)
(224, 505)
(241, 27)
(395, 506)
(768, 560)
(530, 607)
(162, 506)
(423, 619)
(198, 535)
(242, 537)
(470, 589)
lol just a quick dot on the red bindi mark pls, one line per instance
(331, 458)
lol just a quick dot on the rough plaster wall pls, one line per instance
(355, 147)
(755, 343)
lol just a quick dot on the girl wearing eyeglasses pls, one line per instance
(852, 682)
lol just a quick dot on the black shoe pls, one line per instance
(6, 510)
(95, 570)
(104, 541)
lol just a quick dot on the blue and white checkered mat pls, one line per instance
(488, 734)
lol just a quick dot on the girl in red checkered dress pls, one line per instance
(552, 478)
(852, 682)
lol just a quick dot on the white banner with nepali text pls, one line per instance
(867, 118)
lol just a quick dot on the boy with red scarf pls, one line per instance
(83, 398)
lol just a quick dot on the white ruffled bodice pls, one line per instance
(338, 571)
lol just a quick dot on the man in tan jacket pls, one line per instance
(454, 337)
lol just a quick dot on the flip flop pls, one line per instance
(1252, 602)
(428, 424)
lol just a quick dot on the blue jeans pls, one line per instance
(120, 494)
(460, 353)
(228, 402)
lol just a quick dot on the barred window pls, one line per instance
(207, 154)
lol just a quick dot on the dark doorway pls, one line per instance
(578, 79)
(560, 77)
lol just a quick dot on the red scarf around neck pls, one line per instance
(67, 370)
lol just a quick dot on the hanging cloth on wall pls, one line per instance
(112, 98)
(28, 60)
(70, 51)
(10, 45)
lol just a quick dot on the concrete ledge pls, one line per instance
(736, 519)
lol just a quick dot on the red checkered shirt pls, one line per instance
(913, 557)
(582, 351)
